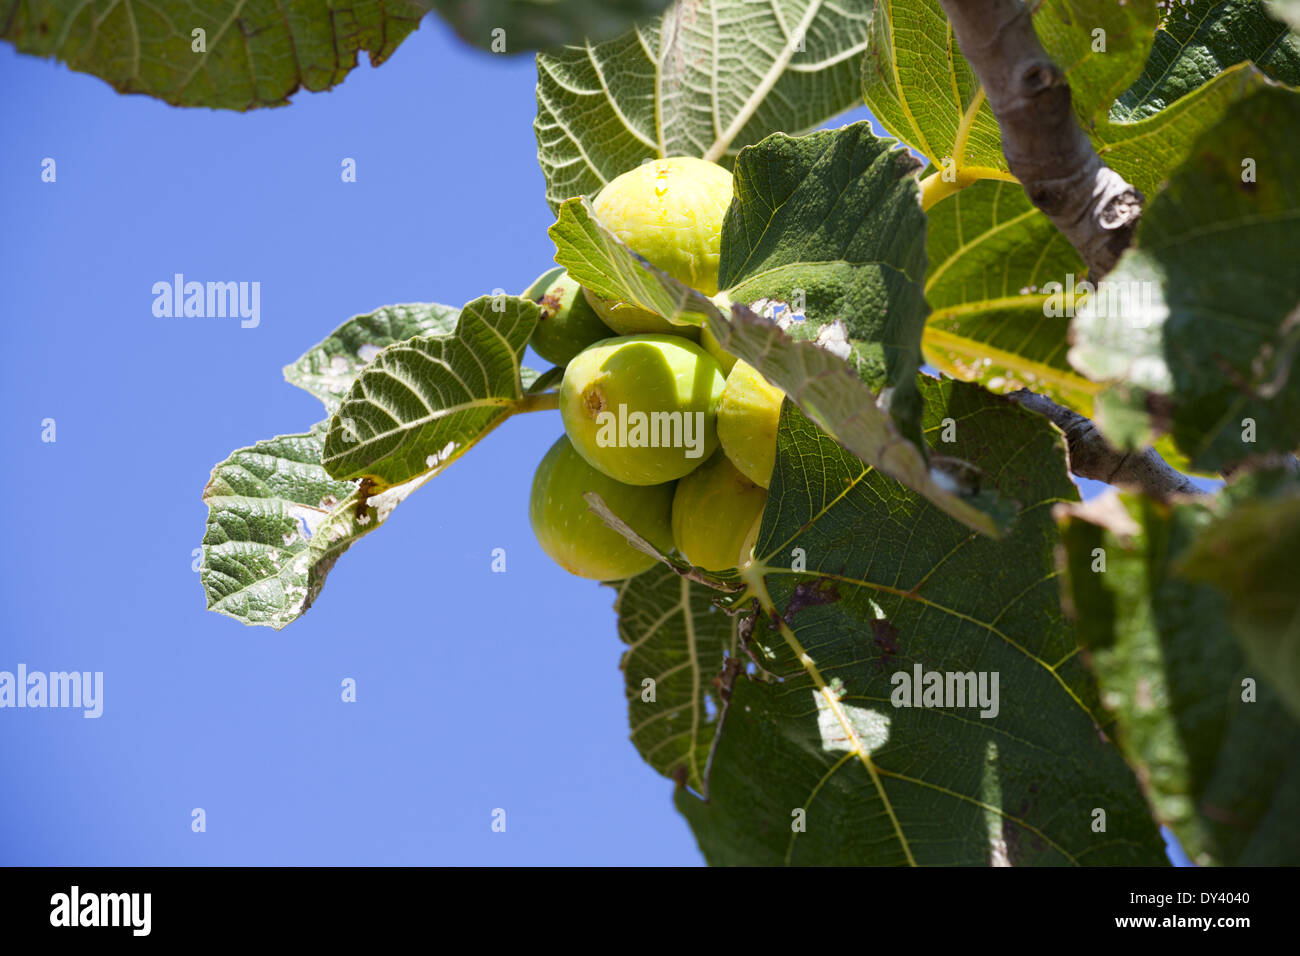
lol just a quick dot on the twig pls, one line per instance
(1091, 456)
(1091, 204)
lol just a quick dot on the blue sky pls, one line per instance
(476, 690)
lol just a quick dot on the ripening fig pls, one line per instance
(747, 420)
(575, 537)
(669, 211)
(725, 358)
(716, 515)
(642, 408)
(568, 323)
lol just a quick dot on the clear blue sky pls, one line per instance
(475, 690)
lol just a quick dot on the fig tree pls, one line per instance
(669, 211)
(716, 515)
(642, 408)
(575, 537)
(568, 323)
(747, 418)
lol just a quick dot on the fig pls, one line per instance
(568, 323)
(725, 358)
(716, 515)
(642, 408)
(670, 212)
(747, 418)
(575, 537)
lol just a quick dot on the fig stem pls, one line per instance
(541, 402)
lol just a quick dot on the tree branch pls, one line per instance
(1091, 456)
(1091, 204)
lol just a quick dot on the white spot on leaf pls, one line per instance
(867, 730)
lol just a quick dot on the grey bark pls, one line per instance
(1091, 204)
(1091, 456)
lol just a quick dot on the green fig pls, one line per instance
(725, 358)
(568, 323)
(669, 211)
(642, 408)
(747, 418)
(716, 515)
(575, 537)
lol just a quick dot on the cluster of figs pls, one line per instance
(676, 435)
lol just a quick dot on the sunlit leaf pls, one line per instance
(705, 80)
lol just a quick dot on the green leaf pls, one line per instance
(278, 517)
(330, 368)
(1207, 56)
(1145, 152)
(277, 522)
(422, 403)
(832, 220)
(1220, 770)
(706, 79)
(1199, 319)
(991, 253)
(1250, 555)
(1196, 42)
(921, 89)
(861, 580)
(255, 52)
(534, 24)
(677, 638)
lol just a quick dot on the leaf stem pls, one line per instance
(935, 188)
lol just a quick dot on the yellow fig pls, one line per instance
(575, 537)
(716, 515)
(670, 212)
(725, 358)
(642, 408)
(747, 418)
